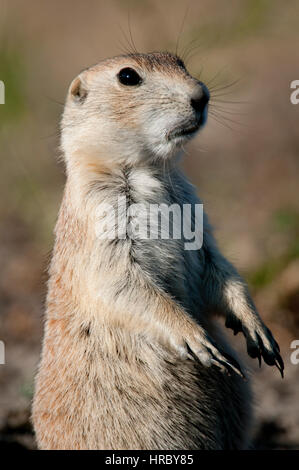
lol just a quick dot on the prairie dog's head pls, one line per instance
(134, 107)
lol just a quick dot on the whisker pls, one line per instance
(223, 120)
(181, 30)
(200, 72)
(224, 87)
(227, 111)
(229, 102)
(198, 147)
(190, 47)
(131, 35)
(127, 45)
(55, 135)
(123, 49)
(238, 123)
(53, 100)
(192, 52)
(186, 47)
(212, 80)
(120, 44)
(224, 124)
(219, 95)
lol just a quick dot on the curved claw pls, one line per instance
(279, 364)
(228, 362)
(260, 342)
(272, 358)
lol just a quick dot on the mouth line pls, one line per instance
(183, 131)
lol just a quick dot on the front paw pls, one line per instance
(196, 344)
(260, 341)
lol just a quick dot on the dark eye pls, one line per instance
(129, 77)
(181, 63)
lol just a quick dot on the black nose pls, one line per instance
(200, 99)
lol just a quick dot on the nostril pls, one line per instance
(199, 102)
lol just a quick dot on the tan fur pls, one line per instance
(132, 358)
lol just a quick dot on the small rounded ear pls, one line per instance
(77, 91)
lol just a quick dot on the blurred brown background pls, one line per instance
(245, 164)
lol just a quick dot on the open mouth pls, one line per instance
(183, 131)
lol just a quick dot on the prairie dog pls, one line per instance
(132, 357)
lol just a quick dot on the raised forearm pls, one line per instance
(148, 309)
(226, 294)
